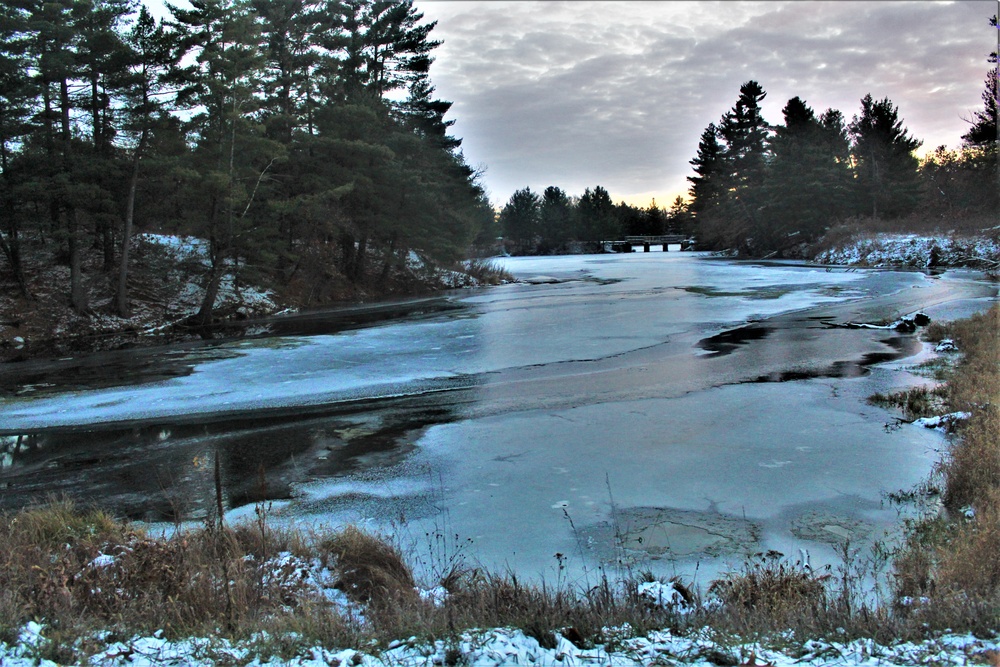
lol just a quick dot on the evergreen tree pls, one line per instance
(596, 218)
(54, 47)
(745, 134)
(285, 139)
(289, 29)
(385, 46)
(806, 182)
(679, 217)
(151, 59)
(17, 95)
(886, 169)
(555, 219)
(519, 220)
(631, 218)
(984, 121)
(425, 114)
(231, 155)
(708, 188)
(654, 220)
(839, 175)
(727, 196)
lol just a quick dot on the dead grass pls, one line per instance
(229, 582)
(487, 272)
(950, 561)
(771, 592)
(81, 570)
(935, 332)
(915, 402)
(370, 570)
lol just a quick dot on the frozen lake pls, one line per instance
(668, 409)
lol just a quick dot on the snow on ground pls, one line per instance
(882, 250)
(189, 251)
(943, 421)
(506, 646)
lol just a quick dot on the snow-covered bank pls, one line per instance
(505, 646)
(912, 250)
(167, 288)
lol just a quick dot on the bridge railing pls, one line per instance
(664, 240)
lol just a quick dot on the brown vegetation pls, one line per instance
(915, 402)
(950, 561)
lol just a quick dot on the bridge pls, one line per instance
(649, 243)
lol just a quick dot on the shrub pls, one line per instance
(369, 569)
(915, 402)
(770, 592)
(488, 272)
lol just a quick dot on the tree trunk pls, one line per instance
(121, 296)
(204, 316)
(77, 293)
(11, 246)
(360, 261)
(12, 251)
(108, 244)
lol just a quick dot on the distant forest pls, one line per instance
(765, 190)
(303, 140)
(298, 137)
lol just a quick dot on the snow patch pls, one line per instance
(885, 250)
(665, 595)
(508, 646)
(942, 421)
(946, 345)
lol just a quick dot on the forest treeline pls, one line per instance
(554, 222)
(300, 138)
(762, 189)
(771, 190)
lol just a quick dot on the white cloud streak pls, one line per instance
(578, 94)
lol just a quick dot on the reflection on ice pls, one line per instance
(691, 408)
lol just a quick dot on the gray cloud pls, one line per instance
(577, 94)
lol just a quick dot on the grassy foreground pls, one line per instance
(91, 579)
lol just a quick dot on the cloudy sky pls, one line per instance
(577, 94)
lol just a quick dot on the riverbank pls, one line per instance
(888, 250)
(166, 292)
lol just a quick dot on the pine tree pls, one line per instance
(102, 59)
(151, 58)
(679, 218)
(806, 179)
(745, 134)
(596, 218)
(289, 30)
(708, 184)
(519, 220)
(886, 169)
(54, 43)
(231, 155)
(17, 95)
(555, 218)
(984, 121)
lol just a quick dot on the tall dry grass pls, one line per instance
(950, 562)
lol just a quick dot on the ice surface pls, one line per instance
(590, 397)
(611, 306)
